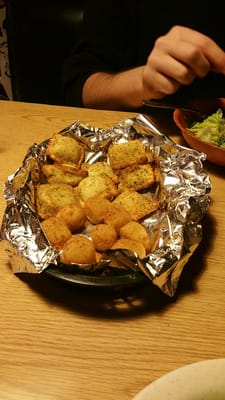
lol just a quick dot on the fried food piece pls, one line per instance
(137, 232)
(78, 250)
(123, 155)
(78, 199)
(100, 185)
(95, 209)
(117, 216)
(50, 197)
(56, 231)
(136, 203)
(99, 168)
(157, 173)
(103, 236)
(73, 216)
(132, 245)
(61, 173)
(136, 177)
(65, 150)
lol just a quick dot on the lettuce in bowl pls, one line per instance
(211, 129)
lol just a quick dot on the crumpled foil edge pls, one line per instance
(184, 191)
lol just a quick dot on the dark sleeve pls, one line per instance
(107, 43)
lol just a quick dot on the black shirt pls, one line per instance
(119, 34)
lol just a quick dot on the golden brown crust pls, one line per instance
(137, 232)
(78, 250)
(56, 231)
(65, 150)
(96, 208)
(50, 197)
(99, 168)
(137, 204)
(123, 155)
(132, 245)
(62, 173)
(103, 236)
(117, 216)
(100, 185)
(73, 216)
(136, 177)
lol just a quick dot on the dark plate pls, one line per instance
(126, 279)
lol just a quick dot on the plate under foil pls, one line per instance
(183, 193)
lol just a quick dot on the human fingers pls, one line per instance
(200, 45)
(157, 85)
(165, 71)
(180, 59)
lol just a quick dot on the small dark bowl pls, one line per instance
(183, 119)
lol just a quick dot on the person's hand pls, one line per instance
(177, 59)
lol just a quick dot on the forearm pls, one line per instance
(168, 67)
(114, 91)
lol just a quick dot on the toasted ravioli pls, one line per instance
(132, 245)
(61, 173)
(137, 204)
(65, 150)
(50, 197)
(78, 250)
(100, 185)
(99, 168)
(136, 177)
(78, 199)
(96, 208)
(123, 155)
(73, 216)
(56, 231)
(103, 236)
(137, 232)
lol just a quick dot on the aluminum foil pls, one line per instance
(183, 192)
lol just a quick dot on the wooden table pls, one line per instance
(61, 342)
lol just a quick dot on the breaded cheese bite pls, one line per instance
(137, 232)
(78, 250)
(56, 231)
(95, 209)
(117, 216)
(132, 245)
(103, 236)
(73, 216)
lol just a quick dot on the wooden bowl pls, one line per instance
(183, 119)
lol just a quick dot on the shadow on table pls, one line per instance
(195, 267)
(126, 302)
(101, 302)
(163, 120)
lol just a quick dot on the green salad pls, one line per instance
(211, 129)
